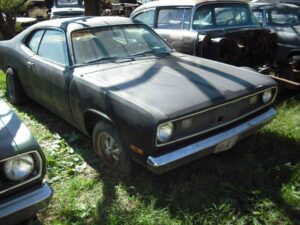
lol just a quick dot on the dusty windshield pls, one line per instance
(114, 42)
(286, 17)
(222, 16)
(69, 3)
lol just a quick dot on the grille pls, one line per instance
(217, 117)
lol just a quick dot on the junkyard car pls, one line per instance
(284, 19)
(294, 2)
(67, 8)
(36, 9)
(22, 163)
(119, 82)
(21, 23)
(221, 30)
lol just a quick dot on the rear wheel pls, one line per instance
(290, 69)
(111, 148)
(14, 89)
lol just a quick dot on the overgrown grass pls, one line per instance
(257, 182)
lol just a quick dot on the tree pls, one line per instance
(8, 10)
(92, 7)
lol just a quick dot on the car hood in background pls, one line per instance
(26, 20)
(67, 10)
(288, 35)
(14, 135)
(175, 85)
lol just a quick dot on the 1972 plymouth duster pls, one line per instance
(23, 167)
(222, 30)
(116, 80)
(284, 20)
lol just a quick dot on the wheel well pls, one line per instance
(7, 68)
(91, 118)
(293, 53)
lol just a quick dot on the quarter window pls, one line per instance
(146, 18)
(35, 40)
(53, 47)
(177, 18)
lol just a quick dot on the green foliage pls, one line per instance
(8, 5)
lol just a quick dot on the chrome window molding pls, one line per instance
(221, 125)
(40, 164)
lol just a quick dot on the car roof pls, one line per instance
(186, 2)
(76, 23)
(276, 1)
(272, 5)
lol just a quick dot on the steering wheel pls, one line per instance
(230, 22)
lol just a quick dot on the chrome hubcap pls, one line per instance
(109, 148)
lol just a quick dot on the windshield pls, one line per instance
(223, 15)
(287, 17)
(106, 43)
(69, 3)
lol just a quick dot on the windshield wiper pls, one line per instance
(150, 52)
(101, 59)
(108, 58)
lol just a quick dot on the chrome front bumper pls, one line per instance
(24, 205)
(162, 163)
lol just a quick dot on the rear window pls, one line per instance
(146, 18)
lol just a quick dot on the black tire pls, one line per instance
(14, 89)
(287, 70)
(102, 132)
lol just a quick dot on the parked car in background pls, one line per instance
(284, 20)
(37, 9)
(294, 2)
(221, 30)
(117, 81)
(23, 166)
(67, 8)
(21, 24)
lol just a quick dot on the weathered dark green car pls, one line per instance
(22, 169)
(117, 81)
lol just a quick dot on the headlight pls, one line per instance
(19, 168)
(267, 96)
(165, 132)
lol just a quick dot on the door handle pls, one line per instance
(30, 64)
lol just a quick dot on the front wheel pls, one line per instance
(14, 89)
(111, 148)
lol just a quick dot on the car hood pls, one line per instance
(15, 137)
(288, 35)
(177, 84)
